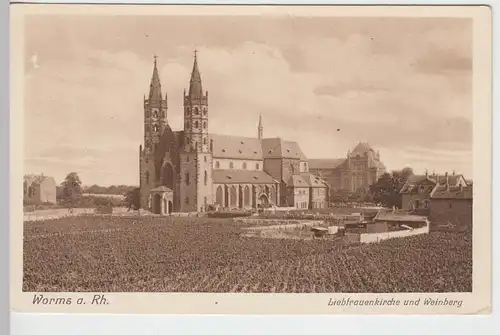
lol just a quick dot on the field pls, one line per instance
(209, 255)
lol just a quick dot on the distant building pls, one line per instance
(361, 168)
(39, 189)
(201, 169)
(451, 205)
(416, 192)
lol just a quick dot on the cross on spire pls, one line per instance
(155, 57)
(195, 52)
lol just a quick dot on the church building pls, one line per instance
(191, 170)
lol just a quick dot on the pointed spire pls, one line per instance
(155, 97)
(261, 128)
(195, 87)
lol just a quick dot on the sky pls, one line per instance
(402, 84)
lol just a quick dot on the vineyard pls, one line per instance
(209, 255)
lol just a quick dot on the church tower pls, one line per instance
(155, 121)
(196, 155)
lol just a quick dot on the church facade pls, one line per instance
(360, 168)
(191, 170)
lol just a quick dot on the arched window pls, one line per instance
(244, 165)
(206, 177)
(257, 166)
(231, 165)
(204, 124)
(196, 111)
(195, 124)
(147, 177)
(187, 178)
(205, 111)
(155, 113)
(211, 145)
(217, 165)
(204, 141)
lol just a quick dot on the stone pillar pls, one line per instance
(162, 205)
(237, 196)
(223, 204)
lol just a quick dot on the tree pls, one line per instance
(386, 189)
(71, 189)
(133, 199)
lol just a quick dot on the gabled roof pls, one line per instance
(305, 180)
(325, 164)
(279, 148)
(241, 177)
(236, 147)
(32, 179)
(361, 149)
(452, 192)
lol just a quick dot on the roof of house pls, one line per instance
(236, 147)
(415, 180)
(325, 164)
(452, 192)
(305, 180)
(360, 149)
(383, 215)
(469, 181)
(241, 177)
(32, 179)
(279, 148)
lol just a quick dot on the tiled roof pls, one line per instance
(398, 216)
(452, 192)
(236, 147)
(325, 164)
(241, 177)
(279, 148)
(313, 180)
(305, 180)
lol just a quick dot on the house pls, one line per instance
(39, 189)
(416, 192)
(306, 191)
(451, 205)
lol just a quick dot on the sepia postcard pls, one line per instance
(250, 159)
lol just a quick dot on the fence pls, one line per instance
(376, 237)
(54, 214)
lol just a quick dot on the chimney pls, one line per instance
(453, 172)
(446, 177)
(426, 173)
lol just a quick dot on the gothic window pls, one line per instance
(204, 111)
(187, 178)
(206, 177)
(211, 145)
(217, 165)
(155, 127)
(195, 124)
(155, 113)
(257, 167)
(204, 141)
(147, 177)
(231, 165)
(196, 111)
(244, 165)
(204, 124)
